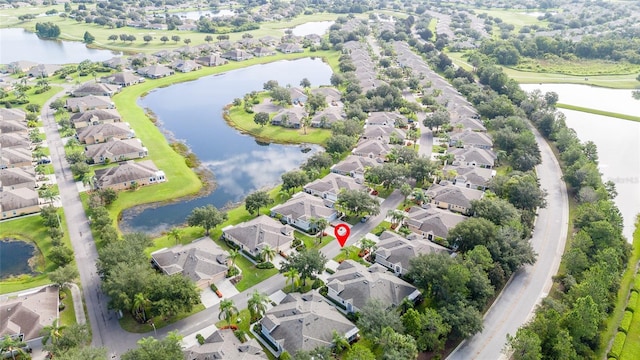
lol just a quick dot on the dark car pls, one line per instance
(44, 161)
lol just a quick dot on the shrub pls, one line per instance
(200, 339)
(240, 334)
(62, 306)
(636, 285)
(265, 265)
(626, 322)
(618, 343)
(296, 242)
(317, 283)
(633, 301)
(330, 271)
(214, 288)
(233, 272)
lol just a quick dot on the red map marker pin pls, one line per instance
(342, 232)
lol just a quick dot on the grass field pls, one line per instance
(624, 81)
(631, 349)
(31, 229)
(515, 17)
(598, 112)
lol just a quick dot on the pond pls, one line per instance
(195, 15)
(618, 140)
(192, 112)
(313, 27)
(14, 258)
(19, 44)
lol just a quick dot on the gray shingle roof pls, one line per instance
(255, 233)
(432, 220)
(398, 250)
(200, 260)
(357, 284)
(223, 344)
(125, 172)
(304, 206)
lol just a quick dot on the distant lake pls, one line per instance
(14, 258)
(618, 140)
(19, 44)
(314, 27)
(195, 15)
(192, 112)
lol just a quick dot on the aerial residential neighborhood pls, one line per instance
(345, 180)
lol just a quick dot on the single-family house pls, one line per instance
(331, 94)
(125, 78)
(353, 284)
(483, 158)
(117, 62)
(15, 157)
(469, 138)
(327, 116)
(355, 166)
(470, 176)
(430, 222)
(115, 150)
(97, 89)
(13, 127)
(297, 95)
(289, 48)
(225, 45)
(301, 208)
(467, 122)
(329, 186)
(383, 118)
(12, 114)
(313, 39)
(202, 261)
(304, 322)
(155, 71)
(237, 55)
(187, 27)
(261, 51)
(224, 344)
(384, 133)
(252, 236)
(211, 60)
(20, 66)
(128, 174)
(185, 65)
(395, 252)
(14, 139)
(104, 132)
(448, 196)
(17, 202)
(247, 43)
(95, 117)
(25, 316)
(91, 102)
(269, 40)
(16, 178)
(43, 70)
(290, 118)
(372, 148)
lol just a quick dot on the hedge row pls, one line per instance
(633, 301)
(618, 343)
(626, 322)
(636, 285)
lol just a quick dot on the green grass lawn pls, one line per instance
(599, 112)
(515, 17)
(311, 242)
(243, 121)
(129, 324)
(31, 229)
(68, 315)
(353, 255)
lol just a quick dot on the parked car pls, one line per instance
(44, 161)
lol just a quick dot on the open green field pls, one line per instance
(517, 18)
(625, 81)
(598, 112)
(182, 181)
(31, 229)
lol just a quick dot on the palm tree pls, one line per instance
(175, 234)
(227, 310)
(412, 135)
(306, 122)
(49, 194)
(319, 224)
(397, 217)
(367, 244)
(52, 332)
(340, 343)
(233, 255)
(13, 346)
(347, 251)
(140, 303)
(257, 305)
(267, 253)
(293, 277)
(418, 196)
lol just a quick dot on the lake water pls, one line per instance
(618, 140)
(314, 27)
(19, 44)
(192, 112)
(14, 258)
(195, 15)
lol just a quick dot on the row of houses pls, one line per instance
(18, 179)
(292, 117)
(108, 139)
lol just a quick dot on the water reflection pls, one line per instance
(14, 258)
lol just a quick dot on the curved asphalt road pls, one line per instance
(527, 287)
